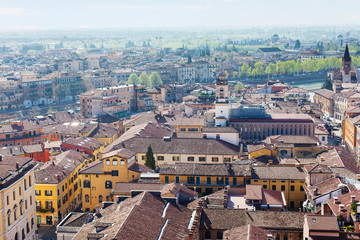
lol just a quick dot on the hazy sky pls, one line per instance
(72, 14)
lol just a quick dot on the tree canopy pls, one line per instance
(155, 79)
(239, 86)
(145, 81)
(133, 79)
(150, 160)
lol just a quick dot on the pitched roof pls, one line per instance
(322, 223)
(278, 172)
(346, 200)
(325, 93)
(219, 130)
(54, 171)
(224, 219)
(323, 187)
(197, 146)
(200, 169)
(318, 168)
(32, 148)
(247, 232)
(291, 139)
(339, 157)
(84, 142)
(8, 165)
(128, 219)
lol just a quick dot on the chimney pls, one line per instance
(225, 202)
(336, 200)
(322, 159)
(17, 165)
(353, 198)
(97, 210)
(341, 207)
(316, 191)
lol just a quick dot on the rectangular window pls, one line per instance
(273, 187)
(226, 181)
(208, 180)
(265, 186)
(48, 193)
(37, 192)
(217, 136)
(190, 159)
(160, 158)
(14, 195)
(198, 190)
(183, 129)
(215, 159)
(292, 188)
(143, 157)
(219, 180)
(193, 130)
(197, 180)
(301, 188)
(282, 187)
(114, 173)
(166, 179)
(292, 204)
(234, 181)
(115, 162)
(175, 158)
(20, 190)
(48, 204)
(177, 179)
(7, 200)
(201, 159)
(190, 180)
(107, 162)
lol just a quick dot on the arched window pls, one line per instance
(108, 184)
(16, 236)
(23, 234)
(219, 235)
(208, 235)
(27, 227)
(100, 199)
(86, 184)
(87, 198)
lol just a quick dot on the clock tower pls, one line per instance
(222, 106)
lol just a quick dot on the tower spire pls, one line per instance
(347, 57)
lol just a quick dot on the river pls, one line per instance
(309, 85)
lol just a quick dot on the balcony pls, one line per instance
(44, 210)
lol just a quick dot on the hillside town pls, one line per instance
(205, 134)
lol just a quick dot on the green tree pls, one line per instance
(155, 79)
(297, 44)
(244, 70)
(353, 207)
(327, 84)
(258, 69)
(133, 79)
(298, 67)
(239, 86)
(145, 81)
(150, 160)
(271, 69)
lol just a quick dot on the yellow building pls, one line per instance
(99, 178)
(261, 149)
(17, 199)
(290, 180)
(58, 186)
(186, 150)
(205, 178)
(105, 133)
